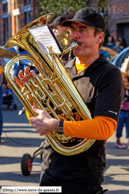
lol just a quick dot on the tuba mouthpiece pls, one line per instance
(67, 49)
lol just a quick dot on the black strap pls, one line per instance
(102, 191)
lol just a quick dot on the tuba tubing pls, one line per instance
(53, 91)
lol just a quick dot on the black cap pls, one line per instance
(88, 17)
(57, 21)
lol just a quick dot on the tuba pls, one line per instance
(51, 89)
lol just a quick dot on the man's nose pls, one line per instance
(74, 35)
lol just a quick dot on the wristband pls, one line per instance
(60, 127)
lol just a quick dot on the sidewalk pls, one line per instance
(116, 178)
(20, 138)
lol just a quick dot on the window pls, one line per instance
(5, 7)
(27, 17)
(27, 2)
(6, 29)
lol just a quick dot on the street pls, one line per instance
(20, 138)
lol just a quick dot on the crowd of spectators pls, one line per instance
(118, 45)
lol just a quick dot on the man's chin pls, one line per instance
(76, 51)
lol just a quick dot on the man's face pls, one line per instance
(126, 83)
(88, 43)
(58, 29)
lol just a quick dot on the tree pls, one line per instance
(93, 3)
(58, 7)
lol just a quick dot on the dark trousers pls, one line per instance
(74, 188)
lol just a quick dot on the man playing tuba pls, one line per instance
(100, 85)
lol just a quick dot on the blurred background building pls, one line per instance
(14, 14)
(118, 18)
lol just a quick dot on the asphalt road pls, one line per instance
(20, 138)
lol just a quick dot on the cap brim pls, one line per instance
(66, 23)
(82, 22)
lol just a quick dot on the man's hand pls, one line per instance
(43, 123)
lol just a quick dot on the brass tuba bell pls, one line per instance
(53, 92)
(63, 39)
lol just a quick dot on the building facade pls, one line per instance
(118, 19)
(14, 14)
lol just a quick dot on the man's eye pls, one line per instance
(82, 29)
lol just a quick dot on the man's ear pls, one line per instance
(100, 37)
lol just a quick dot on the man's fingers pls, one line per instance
(19, 82)
(31, 74)
(32, 119)
(20, 74)
(26, 71)
(27, 74)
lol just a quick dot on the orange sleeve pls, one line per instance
(99, 128)
(1, 70)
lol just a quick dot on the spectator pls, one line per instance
(111, 42)
(124, 114)
(119, 45)
(62, 36)
(125, 65)
(1, 98)
(56, 25)
(123, 42)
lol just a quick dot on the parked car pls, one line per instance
(119, 59)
